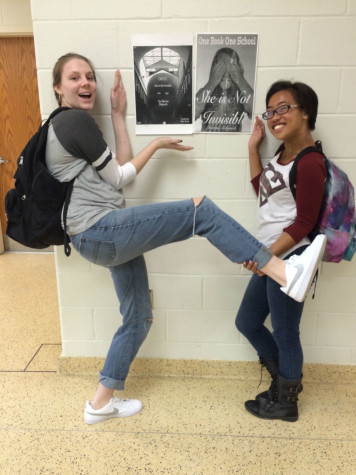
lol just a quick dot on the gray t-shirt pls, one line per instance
(76, 149)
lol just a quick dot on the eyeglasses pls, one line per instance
(280, 111)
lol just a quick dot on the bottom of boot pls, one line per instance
(261, 414)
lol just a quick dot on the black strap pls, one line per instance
(57, 111)
(66, 240)
(293, 172)
(67, 249)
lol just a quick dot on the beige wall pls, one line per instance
(15, 17)
(196, 290)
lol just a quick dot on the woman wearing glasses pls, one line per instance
(283, 225)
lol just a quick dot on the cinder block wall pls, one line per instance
(196, 291)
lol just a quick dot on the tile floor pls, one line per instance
(189, 425)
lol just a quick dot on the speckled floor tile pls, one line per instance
(29, 306)
(175, 405)
(188, 426)
(66, 452)
(46, 358)
(15, 355)
(32, 320)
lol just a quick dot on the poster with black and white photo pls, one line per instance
(163, 84)
(225, 82)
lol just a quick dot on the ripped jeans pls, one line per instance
(119, 240)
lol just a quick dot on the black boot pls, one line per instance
(284, 404)
(272, 368)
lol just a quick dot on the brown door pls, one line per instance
(19, 110)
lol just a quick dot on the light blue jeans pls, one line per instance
(119, 240)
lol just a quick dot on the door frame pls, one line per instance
(7, 244)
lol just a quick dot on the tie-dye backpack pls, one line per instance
(337, 219)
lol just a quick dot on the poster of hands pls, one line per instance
(163, 83)
(224, 83)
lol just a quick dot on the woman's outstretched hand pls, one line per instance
(140, 160)
(258, 134)
(172, 144)
(118, 95)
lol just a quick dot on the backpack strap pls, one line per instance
(293, 172)
(67, 249)
(56, 111)
(66, 240)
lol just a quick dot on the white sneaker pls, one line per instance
(300, 270)
(115, 408)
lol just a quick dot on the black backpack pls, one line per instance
(34, 206)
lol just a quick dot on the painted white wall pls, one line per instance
(15, 18)
(196, 290)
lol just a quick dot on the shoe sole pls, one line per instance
(93, 419)
(299, 293)
(284, 419)
(106, 418)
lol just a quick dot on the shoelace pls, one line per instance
(260, 378)
(314, 282)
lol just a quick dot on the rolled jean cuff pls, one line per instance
(263, 257)
(111, 383)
